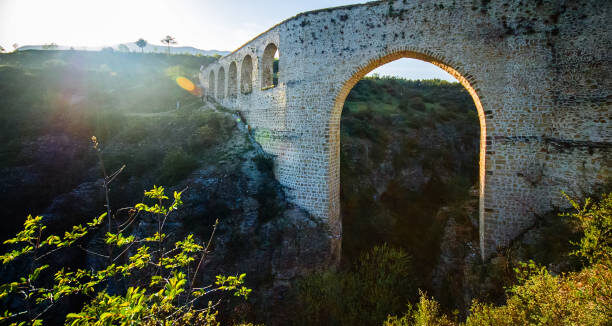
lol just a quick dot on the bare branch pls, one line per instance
(205, 253)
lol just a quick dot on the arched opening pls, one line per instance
(269, 67)
(232, 82)
(246, 75)
(403, 104)
(221, 83)
(211, 84)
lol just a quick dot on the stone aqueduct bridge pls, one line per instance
(538, 71)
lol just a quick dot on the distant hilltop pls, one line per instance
(132, 47)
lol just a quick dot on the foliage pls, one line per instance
(141, 43)
(427, 313)
(541, 298)
(376, 287)
(168, 40)
(162, 278)
(583, 298)
(211, 128)
(595, 220)
(176, 165)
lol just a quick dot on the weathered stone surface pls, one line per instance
(538, 72)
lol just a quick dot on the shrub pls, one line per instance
(595, 221)
(427, 313)
(177, 165)
(540, 298)
(375, 288)
(212, 128)
(545, 299)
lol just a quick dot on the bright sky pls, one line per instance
(204, 24)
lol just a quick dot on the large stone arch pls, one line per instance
(232, 82)
(360, 72)
(211, 83)
(540, 72)
(221, 83)
(267, 66)
(246, 75)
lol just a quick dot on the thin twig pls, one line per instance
(92, 252)
(204, 254)
(48, 253)
(124, 251)
(46, 309)
(114, 175)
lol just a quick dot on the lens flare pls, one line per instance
(188, 85)
(185, 83)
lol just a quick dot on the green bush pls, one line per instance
(540, 298)
(427, 313)
(379, 285)
(595, 221)
(583, 298)
(211, 128)
(177, 165)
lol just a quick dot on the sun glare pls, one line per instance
(185, 83)
(188, 85)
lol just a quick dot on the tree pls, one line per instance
(160, 284)
(141, 43)
(15, 46)
(123, 48)
(1, 49)
(168, 40)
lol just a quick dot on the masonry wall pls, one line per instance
(537, 70)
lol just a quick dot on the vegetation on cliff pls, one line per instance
(139, 279)
(408, 162)
(540, 297)
(53, 101)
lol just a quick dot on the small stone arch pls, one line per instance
(268, 69)
(232, 81)
(211, 83)
(334, 127)
(246, 75)
(221, 83)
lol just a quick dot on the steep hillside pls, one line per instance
(53, 102)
